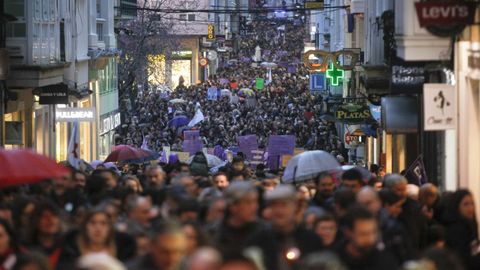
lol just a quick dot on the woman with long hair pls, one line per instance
(461, 226)
(96, 235)
(45, 232)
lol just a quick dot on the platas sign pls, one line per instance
(436, 13)
(439, 106)
(352, 113)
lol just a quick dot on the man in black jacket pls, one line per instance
(359, 250)
(285, 242)
(411, 217)
(240, 222)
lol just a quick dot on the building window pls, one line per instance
(191, 17)
(100, 31)
(182, 17)
(18, 28)
(46, 32)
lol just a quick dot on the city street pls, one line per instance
(239, 135)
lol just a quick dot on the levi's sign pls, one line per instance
(434, 13)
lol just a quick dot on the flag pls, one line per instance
(73, 155)
(197, 118)
(144, 144)
(416, 173)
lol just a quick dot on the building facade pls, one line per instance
(54, 49)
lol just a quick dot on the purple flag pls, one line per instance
(291, 69)
(273, 162)
(246, 144)
(218, 151)
(279, 145)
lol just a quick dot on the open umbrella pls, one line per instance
(21, 166)
(212, 160)
(178, 121)
(246, 92)
(309, 164)
(268, 64)
(126, 153)
(177, 100)
(225, 93)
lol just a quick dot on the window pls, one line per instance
(182, 17)
(15, 8)
(46, 32)
(100, 31)
(191, 17)
(18, 28)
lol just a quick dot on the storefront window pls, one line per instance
(62, 141)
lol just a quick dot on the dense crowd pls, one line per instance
(284, 107)
(168, 218)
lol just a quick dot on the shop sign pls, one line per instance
(314, 4)
(211, 31)
(407, 79)
(75, 114)
(203, 62)
(110, 122)
(436, 13)
(439, 106)
(352, 113)
(54, 94)
(351, 140)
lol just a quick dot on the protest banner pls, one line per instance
(192, 146)
(212, 93)
(182, 156)
(259, 83)
(257, 158)
(246, 144)
(279, 145)
(191, 135)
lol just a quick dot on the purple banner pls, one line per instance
(246, 144)
(192, 146)
(191, 135)
(279, 145)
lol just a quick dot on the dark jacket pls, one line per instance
(373, 260)
(415, 224)
(460, 234)
(395, 238)
(125, 245)
(232, 241)
(275, 245)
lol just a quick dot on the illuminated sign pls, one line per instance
(211, 32)
(335, 75)
(75, 114)
(182, 54)
(344, 59)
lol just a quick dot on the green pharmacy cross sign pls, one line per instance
(335, 75)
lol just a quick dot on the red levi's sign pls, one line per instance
(445, 13)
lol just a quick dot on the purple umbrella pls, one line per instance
(178, 121)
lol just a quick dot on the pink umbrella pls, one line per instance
(22, 166)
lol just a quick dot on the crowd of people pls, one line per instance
(165, 217)
(284, 107)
